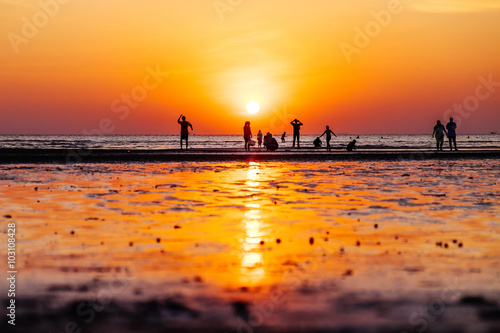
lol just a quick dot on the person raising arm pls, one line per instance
(184, 129)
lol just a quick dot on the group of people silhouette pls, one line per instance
(271, 144)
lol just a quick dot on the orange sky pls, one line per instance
(68, 68)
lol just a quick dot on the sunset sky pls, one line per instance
(362, 67)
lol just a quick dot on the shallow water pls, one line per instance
(348, 232)
(391, 141)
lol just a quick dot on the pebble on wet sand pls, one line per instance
(347, 273)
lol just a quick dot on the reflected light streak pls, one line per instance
(252, 262)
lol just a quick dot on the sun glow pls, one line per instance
(253, 107)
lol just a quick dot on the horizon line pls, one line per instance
(221, 134)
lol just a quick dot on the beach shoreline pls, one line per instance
(19, 156)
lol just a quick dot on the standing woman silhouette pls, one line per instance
(438, 133)
(247, 135)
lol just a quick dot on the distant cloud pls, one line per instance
(456, 6)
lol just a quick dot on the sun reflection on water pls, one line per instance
(252, 262)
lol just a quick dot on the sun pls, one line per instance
(253, 107)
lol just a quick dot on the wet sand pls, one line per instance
(375, 246)
(234, 155)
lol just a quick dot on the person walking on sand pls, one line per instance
(259, 138)
(247, 135)
(328, 133)
(283, 137)
(296, 131)
(452, 134)
(184, 129)
(438, 133)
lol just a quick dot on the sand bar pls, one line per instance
(215, 155)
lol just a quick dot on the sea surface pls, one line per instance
(154, 142)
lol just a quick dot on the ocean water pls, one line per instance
(153, 142)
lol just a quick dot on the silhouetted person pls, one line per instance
(283, 137)
(259, 138)
(438, 133)
(184, 129)
(272, 144)
(296, 131)
(317, 142)
(247, 135)
(328, 133)
(351, 146)
(452, 135)
(267, 139)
